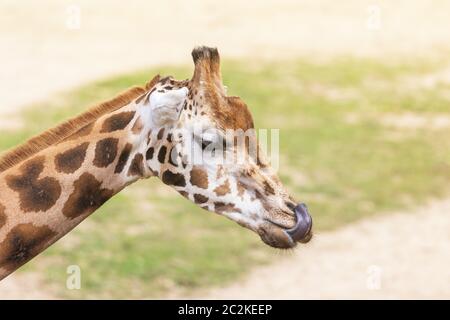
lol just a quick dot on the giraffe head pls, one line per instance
(202, 143)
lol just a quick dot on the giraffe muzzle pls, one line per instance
(301, 232)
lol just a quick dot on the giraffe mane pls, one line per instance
(66, 129)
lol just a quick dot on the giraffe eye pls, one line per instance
(211, 139)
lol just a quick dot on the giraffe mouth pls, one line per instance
(277, 236)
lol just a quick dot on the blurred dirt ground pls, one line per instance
(42, 52)
(398, 256)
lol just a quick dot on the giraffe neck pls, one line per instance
(47, 195)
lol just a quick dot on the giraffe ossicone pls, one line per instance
(187, 133)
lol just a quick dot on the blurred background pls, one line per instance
(360, 91)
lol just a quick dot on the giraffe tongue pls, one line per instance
(303, 226)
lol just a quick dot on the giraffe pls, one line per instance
(55, 180)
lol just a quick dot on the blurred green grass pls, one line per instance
(148, 242)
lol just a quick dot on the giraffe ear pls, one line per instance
(166, 106)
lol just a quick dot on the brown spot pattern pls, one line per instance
(173, 179)
(88, 195)
(149, 154)
(137, 166)
(23, 243)
(105, 152)
(35, 194)
(71, 160)
(223, 189)
(160, 134)
(199, 198)
(162, 154)
(117, 122)
(184, 194)
(199, 178)
(221, 207)
(123, 158)
(2, 216)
